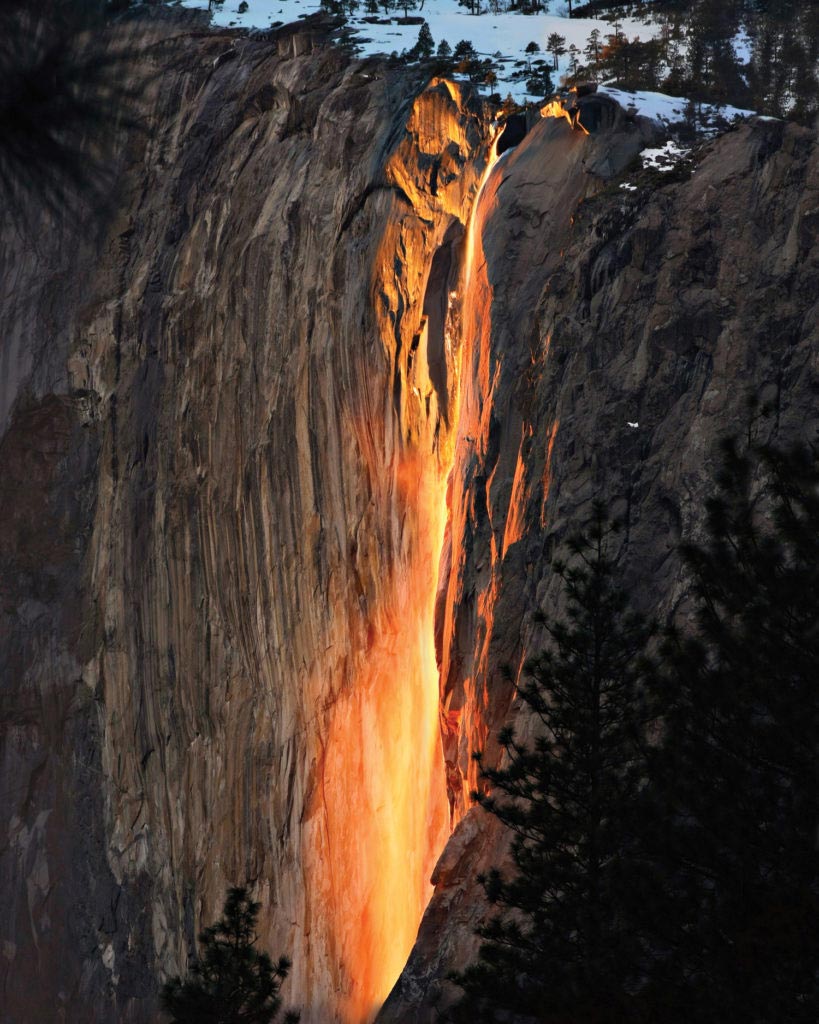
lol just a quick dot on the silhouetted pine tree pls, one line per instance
(560, 947)
(713, 67)
(424, 46)
(232, 982)
(736, 780)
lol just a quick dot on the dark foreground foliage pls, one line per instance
(231, 982)
(63, 95)
(735, 778)
(664, 817)
(566, 796)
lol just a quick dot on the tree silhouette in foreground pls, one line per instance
(665, 820)
(736, 777)
(560, 947)
(232, 982)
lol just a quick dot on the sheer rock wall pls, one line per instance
(628, 329)
(219, 479)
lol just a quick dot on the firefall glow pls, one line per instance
(474, 385)
(384, 817)
(556, 109)
(389, 793)
(384, 747)
(384, 790)
(473, 239)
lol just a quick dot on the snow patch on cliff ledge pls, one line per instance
(669, 110)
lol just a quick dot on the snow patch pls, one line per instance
(666, 157)
(668, 110)
(503, 36)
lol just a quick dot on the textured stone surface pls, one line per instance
(226, 421)
(662, 307)
(222, 505)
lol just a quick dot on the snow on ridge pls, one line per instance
(670, 110)
(506, 33)
(503, 36)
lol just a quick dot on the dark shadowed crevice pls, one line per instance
(443, 278)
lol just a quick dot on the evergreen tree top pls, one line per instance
(231, 982)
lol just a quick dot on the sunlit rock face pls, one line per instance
(610, 339)
(223, 462)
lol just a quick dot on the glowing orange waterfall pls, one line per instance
(384, 751)
(556, 109)
(381, 816)
(474, 385)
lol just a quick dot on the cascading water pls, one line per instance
(384, 747)
(384, 742)
(468, 431)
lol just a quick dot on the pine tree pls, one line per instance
(464, 50)
(465, 58)
(713, 66)
(736, 779)
(559, 946)
(556, 45)
(232, 982)
(593, 48)
(425, 45)
(539, 82)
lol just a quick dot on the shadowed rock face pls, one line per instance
(627, 329)
(225, 431)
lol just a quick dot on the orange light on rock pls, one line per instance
(547, 469)
(475, 383)
(384, 786)
(513, 529)
(556, 109)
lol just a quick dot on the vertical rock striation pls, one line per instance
(222, 465)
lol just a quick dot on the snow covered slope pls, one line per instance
(506, 34)
(503, 36)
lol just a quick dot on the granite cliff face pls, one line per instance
(222, 488)
(618, 336)
(230, 566)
